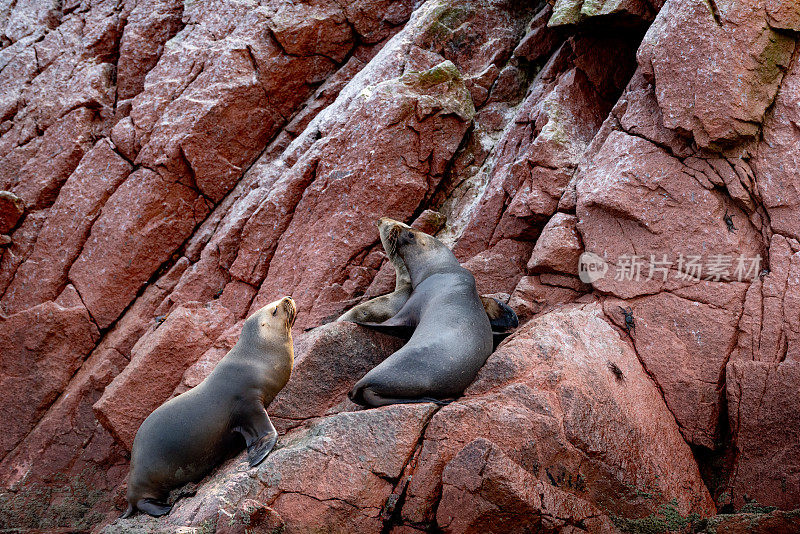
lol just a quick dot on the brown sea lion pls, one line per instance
(184, 438)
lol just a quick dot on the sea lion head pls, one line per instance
(385, 225)
(274, 319)
(421, 253)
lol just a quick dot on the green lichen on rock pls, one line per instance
(38, 506)
(442, 73)
(756, 508)
(775, 55)
(440, 88)
(754, 521)
(453, 16)
(442, 20)
(566, 12)
(595, 8)
(438, 23)
(667, 519)
(555, 130)
(592, 8)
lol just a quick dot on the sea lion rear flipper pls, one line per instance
(501, 316)
(368, 397)
(153, 507)
(259, 434)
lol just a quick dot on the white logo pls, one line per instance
(591, 267)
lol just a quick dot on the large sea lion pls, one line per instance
(184, 438)
(452, 336)
(501, 317)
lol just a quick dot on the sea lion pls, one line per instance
(184, 438)
(386, 306)
(452, 336)
(501, 317)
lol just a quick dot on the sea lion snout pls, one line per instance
(386, 220)
(394, 229)
(390, 224)
(290, 308)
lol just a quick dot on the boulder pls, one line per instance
(567, 399)
(11, 209)
(715, 67)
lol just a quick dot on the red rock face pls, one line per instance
(763, 414)
(41, 349)
(720, 55)
(168, 167)
(66, 229)
(483, 490)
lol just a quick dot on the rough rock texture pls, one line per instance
(167, 167)
(37, 363)
(550, 399)
(11, 209)
(547, 433)
(736, 49)
(157, 363)
(763, 412)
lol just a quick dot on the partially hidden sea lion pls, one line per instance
(184, 438)
(386, 306)
(502, 318)
(452, 335)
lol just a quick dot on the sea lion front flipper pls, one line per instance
(153, 507)
(259, 434)
(261, 448)
(401, 325)
(380, 308)
(398, 330)
(501, 316)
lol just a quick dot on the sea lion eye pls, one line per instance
(275, 311)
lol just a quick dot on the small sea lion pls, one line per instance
(386, 306)
(452, 336)
(184, 438)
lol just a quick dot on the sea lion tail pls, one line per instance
(129, 512)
